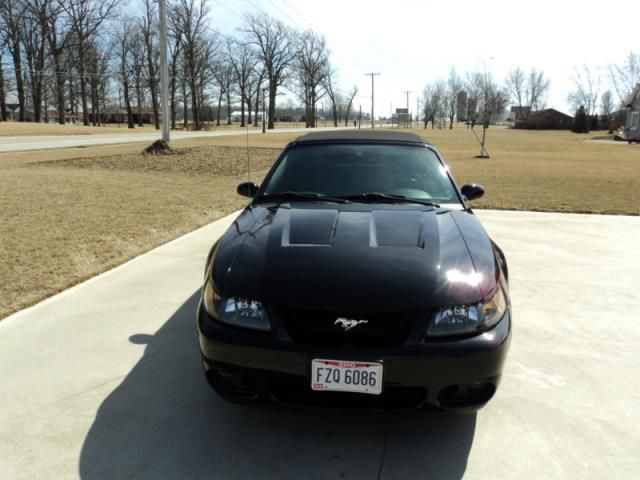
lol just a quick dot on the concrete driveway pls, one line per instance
(103, 381)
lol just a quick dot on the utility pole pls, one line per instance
(360, 118)
(406, 118)
(372, 75)
(164, 70)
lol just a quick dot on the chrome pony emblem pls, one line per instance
(348, 323)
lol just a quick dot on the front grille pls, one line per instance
(319, 327)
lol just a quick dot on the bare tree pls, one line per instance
(351, 96)
(252, 93)
(175, 54)
(10, 16)
(243, 62)
(149, 26)
(454, 86)
(86, 17)
(517, 85)
(34, 25)
(587, 90)
(3, 90)
(607, 105)
(489, 101)
(625, 77)
(527, 90)
(537, 88)
(258, 89)
(330, 87)
(192, 16)
(137, 50)
(311, 71)
(432, 103)
(122, 40)
(277, 49)
(58, 41)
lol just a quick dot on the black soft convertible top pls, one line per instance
(360, 135)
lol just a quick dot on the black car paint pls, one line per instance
(354, 257)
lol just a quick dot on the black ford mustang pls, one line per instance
(358, 277)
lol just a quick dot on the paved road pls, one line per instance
(17, 144)
(104, 382)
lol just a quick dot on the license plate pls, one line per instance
(346, 376)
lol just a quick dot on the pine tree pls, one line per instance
(580, 124)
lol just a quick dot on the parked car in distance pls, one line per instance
(358, 277)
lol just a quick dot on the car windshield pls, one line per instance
(354, 170)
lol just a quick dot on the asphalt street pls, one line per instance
(18, 144)
(104, 381)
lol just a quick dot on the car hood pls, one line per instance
(355, 256)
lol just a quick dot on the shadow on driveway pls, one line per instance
(163, 421)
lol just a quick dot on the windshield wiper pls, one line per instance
(363, 197)
(289, 195)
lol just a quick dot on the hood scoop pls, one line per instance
(396, 229)
(310, 228)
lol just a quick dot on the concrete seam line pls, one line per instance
(70, 290)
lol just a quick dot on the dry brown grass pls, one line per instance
(81, 211)
(547, 171)
(67, 215)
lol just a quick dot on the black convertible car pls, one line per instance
(358, 277)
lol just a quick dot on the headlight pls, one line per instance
(458, 320)
(239, 312)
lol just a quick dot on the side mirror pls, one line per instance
(471, 191)
(247, 189)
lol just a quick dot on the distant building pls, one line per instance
(632, 122)
(401, 117)
(547, 119)
(518, 113)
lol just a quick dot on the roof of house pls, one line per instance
(550, 111)
(632, 97)
(360, 135)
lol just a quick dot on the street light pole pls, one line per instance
(264, 130)
(164, 70)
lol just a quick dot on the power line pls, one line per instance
(299, 14)
(229, 9)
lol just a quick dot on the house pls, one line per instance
(547, 119)
(632, 122)
(518, 113)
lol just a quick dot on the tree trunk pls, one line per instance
(127, 103)
(249, 111)
(83, 84)
(139, 100)
(72, 101)
(153, 86)
(228, 106)
(185, 111)
(94, 99)
(3, 97)
(242, 108)
(194, 95)
(219, 107)
(17, 63)
(59, 85)
(272, 105)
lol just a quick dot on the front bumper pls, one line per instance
(257, 368)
